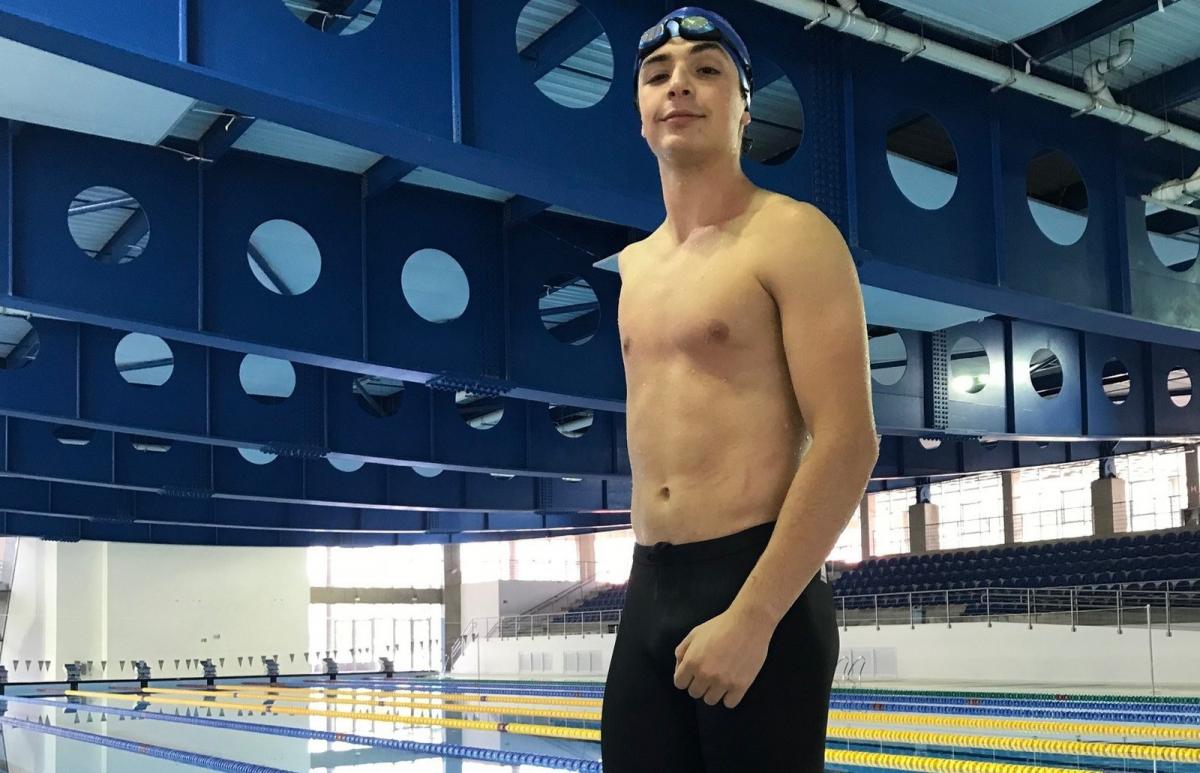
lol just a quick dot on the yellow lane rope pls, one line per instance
(440, 696)
(483, 708)
(1164, 732)
(572, 733)
(1121, 751)
(925, 764)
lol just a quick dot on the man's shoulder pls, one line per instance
(779, 209)
(630, 252)
(803, 241)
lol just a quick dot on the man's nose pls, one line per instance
(679, 83)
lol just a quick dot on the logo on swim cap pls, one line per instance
(693, 23)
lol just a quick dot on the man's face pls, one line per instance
(690, 100)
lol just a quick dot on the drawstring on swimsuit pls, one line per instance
(657, 551)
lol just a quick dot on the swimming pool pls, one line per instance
(369, 724)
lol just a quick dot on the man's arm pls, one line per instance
(816, 290)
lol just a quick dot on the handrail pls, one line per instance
(561, 595)
(1072, 602)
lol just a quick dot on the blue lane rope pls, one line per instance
(161, 752)
(1187, 710)
(438, 749)
(445, 688)
(1013, 711)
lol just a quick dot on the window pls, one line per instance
(1155, 488)
(614, 556)
(389, 566)
(1053, 502)
(849, 546)
(890, 528)
(970, 511)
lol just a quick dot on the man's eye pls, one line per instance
(656, 77)
(710, 69)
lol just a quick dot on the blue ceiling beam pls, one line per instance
(561, 42)
(129, 233)
(1089, 24)
(75, 382)
(518, 209)
(376, 332)
(196, 471)
(162, 488)
(496, 152)
(386, 174)
(35, 497)
(365, 118)
(265, 266)
(100, 206)
(1168, 90)
(224, 133)
(26, 347)
(72, 529)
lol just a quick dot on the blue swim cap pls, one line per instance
(721, 31)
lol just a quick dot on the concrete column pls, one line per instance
(451, 597)
(587, 556)
(923, 520)
(1009, 479)
(866, 520)
(1191, 510)
(1110, 507)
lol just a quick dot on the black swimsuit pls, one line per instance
(650, 725)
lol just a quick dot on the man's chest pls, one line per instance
(708, 309)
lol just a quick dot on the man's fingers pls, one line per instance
(683, 645)
(683, 675)
(733, 698)
(714, 694)
(699, 686)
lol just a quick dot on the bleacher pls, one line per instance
(1135, 563)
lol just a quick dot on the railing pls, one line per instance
(580, 590)
(1075, 606)
(599, 622)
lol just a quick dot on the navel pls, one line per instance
(627, 345)
(664, 493)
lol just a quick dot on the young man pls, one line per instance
(744, 341)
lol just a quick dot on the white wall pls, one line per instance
(506, 597)
(516, 596)
(114, 601)
(31, 634)
(1049, 655)
(503, 658)
(479, 600)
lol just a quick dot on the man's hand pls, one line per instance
(721, 658)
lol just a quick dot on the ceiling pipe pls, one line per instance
(1083, 103)
(1095, 74)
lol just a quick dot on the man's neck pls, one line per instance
(703, 196)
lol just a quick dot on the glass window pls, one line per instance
(1053, 502)
(386, 566)
(556, 558)
(970, 511)
(1155, 487)
(849, 545)
(614, 556)
(890, 528)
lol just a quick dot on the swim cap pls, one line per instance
(720, 31)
